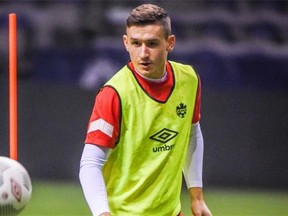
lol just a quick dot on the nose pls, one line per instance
(144, 52)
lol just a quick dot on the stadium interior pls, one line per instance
(68, 49)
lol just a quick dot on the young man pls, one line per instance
(144, 129)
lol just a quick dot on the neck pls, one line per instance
(154, 80)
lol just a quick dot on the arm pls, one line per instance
(92, 181)
(193, 172)
(102, 134)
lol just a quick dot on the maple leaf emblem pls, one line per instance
(181, 110)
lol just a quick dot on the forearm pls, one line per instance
(92, 180)
(193, 172)
(194, 159)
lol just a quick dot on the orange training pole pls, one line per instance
(13, 118)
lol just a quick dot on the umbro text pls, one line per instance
(163, 148)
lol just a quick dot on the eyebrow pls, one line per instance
(137, 39)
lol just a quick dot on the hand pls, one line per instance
(199, 208)
(198, 205)
(105, 214)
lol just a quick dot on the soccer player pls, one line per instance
(144, 129)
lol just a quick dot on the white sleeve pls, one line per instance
(91, 178)
(193, 166)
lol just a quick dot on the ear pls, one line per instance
(171, 43)
(125, 41)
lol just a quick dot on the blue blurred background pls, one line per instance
(68, 49)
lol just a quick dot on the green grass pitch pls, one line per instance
(66, 199)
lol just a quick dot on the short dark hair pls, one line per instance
(146, 14)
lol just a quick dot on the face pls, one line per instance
(148, 49)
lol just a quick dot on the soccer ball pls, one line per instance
(15, 187)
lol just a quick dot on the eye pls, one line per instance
(152, 44)
(136, 43)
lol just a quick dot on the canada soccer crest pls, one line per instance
(181, 110)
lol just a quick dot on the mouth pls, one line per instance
(145, 64)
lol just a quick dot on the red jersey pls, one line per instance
(104, 123)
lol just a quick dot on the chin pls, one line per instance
(144, 70)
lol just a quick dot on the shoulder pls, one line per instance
(175, 64)
(106, 93)
(182, 68)
(183, 71)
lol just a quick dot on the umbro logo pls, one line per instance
(164, 135)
